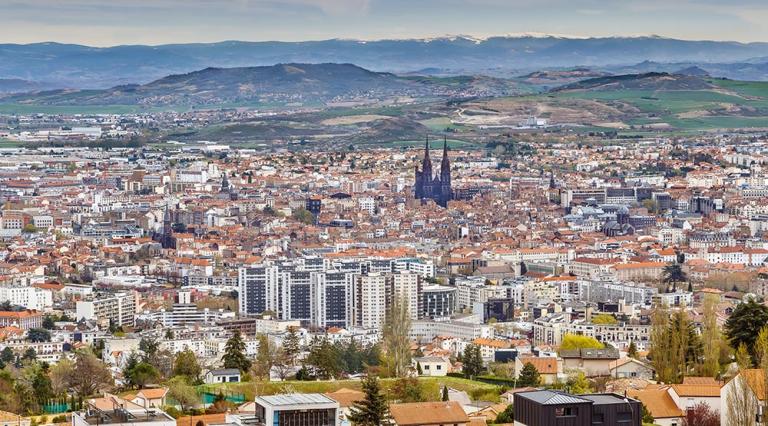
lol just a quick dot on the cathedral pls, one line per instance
(429, 186)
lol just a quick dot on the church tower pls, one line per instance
(427, 184)
(446, 192)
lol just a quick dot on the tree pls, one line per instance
(180, 390)
(711, 338)
(573, 341)
(48, 322)
(632, 350)
(701, 415)
(372, 410)
(529, 376)
(674, 274)
(397, 345)
(264, 358)
(142, 374)
(604, 319)
(745, 323)
(89, 374)
(292, 345)
(38, 335)
(304, 216)
(234, 353)
(187, 366)
(742, 358)
(676, 348)
(578, 384)
(507, 416)
(472, 361)
(407, 389)
(29, 229)
(445, 393)
(646, 415)
(60, 374)
(150, 347)
(7, 355)
(325, 359)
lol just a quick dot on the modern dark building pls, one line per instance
(503, 310)
(429, 186)
(438, 301)
(546, 408)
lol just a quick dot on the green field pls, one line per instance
(431, 386)
(5, 143)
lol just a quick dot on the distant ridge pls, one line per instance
(75, 66)
(647, 81)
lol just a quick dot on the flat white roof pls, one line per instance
(296, 399)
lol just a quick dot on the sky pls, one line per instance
(115, 22)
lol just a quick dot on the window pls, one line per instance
(598, 418)
(565, 411)
(439, 367)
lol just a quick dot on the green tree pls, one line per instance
(407, 389)
(632, 350)
(647, 417)
(674, 274)
(49, 323)
(142, 374)
(38, 335)
(574, 341)
(445, 395)
(578, 384)
(529, 376)
(372, 410)
(180, 390)
(187, 366)
(711, 338)
(745, 323)
(234, 353)
(396, 342)
(7, 355)
(150, 347)
(604, 319)
(507, 416)
(472, 361)
(264, 358)
(304, 216)
(325, 359)
(292, 345)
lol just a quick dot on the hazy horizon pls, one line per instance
(155, 22)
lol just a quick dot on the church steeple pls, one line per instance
(426, 164)
(445, 164)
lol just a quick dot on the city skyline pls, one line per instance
(122, 22)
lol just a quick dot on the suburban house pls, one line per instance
(432, 366)
(624, 368)
(428, 414)
(593, 362)
(696, 390)
(550, 368)
(225, 375)
(547, 407)
(346, 398)
(660, 404)
(748, 386)
(150, 398)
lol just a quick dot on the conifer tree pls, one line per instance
(372, 410)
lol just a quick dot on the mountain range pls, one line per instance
(281, 84)
(77, 66)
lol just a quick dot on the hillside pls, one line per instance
(76, 66)
(285, 83)
(278, 85)
(649, 81)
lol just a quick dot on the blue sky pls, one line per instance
(111, 22)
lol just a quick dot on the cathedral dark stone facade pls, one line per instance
(431, 186)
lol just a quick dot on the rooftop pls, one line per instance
(296, 399)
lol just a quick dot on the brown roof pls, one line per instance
(700, 381)
(697, 390)
(153, 393)
(346, 397)
(658, 401)
(428, 413)
(206, 419)
(544, 365)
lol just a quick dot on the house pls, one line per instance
(225, 375)
(546, 407)
(749, 389)
(150, 398)
(660, 404)
(428, 414)
(630, 368)
(593, 362)
(550, 368)
(297, 408)
(113, 410)
(692, 392)
(432, 366)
